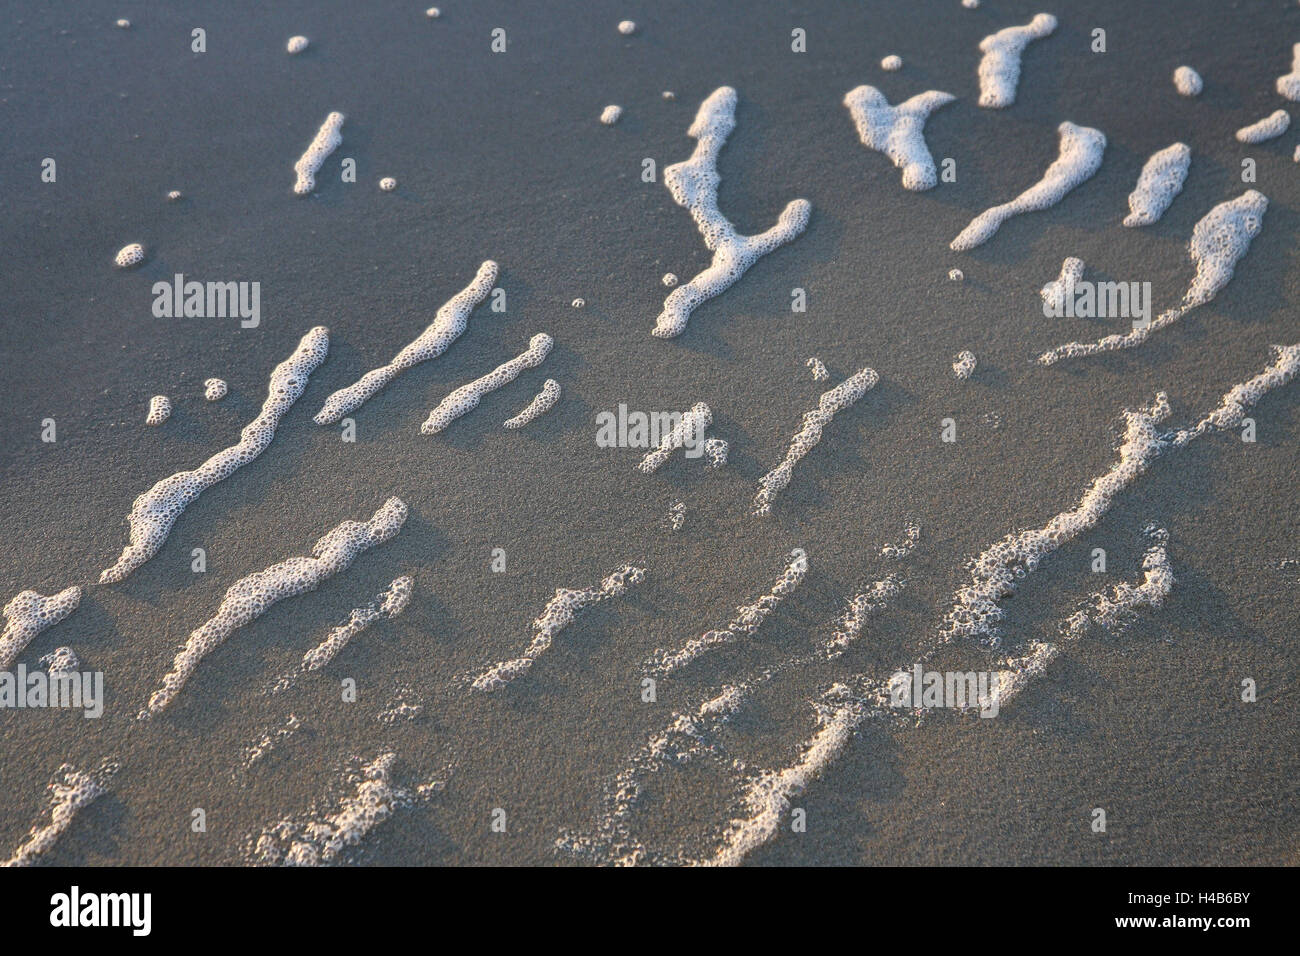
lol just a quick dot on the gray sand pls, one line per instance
(502, 156)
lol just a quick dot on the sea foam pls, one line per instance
(1187, 81)
(999, 69)
(27, 614)
(466, 398)
(328, 138)
(388, 604)
(692, 425)
(1288, 84)
(1159, 182)
(1056, 292)
(160, 409)
(542, 403)
(71, 792)
(898, 131)
(1270, 127)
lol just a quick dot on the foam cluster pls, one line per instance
(70, 793)
(61, 660)
(154, 512)
(296, 45)
(328, 138)
(445, 328)
(611, 114)
(999, 69)
(715, 450)
(626, 27)
(1270, 127)
(911, 535)
(1288, 84)
(861, 607)
(542, 403)
(128, 257)
(388, 184)
(1187, 81)
(694, 185)
(1056, 292)
(1232, 409)
(1219, 240)
(898, 131)
(466, 398)
(389, 603)
(747, 620)
(818, 367)
(1081, 148)
(160, 409)
(269, 741)
(555, 617)
(692, 425)
(214, 390)
(677, 516)
(963, 364)
(1159, 182)
(891, 63)
(29, 613)
(840, 397)
(250, 597)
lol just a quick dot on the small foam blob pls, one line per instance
(963, 364)
(388, 184)
(677, 516)
(214, 389)
(627, 27)
(28, 614)
(122, 24)
(579, 303)
(692, 424)
(1160, 181)
(1056, 292)
(956, 275)
(447, 325)
(669, 280)
(819, 371)
(466, 398)
(1187, 81)
(971, 4)
(542, 403)
(160, 409)
(1079, 157)
(296, 44)
(1288, 84)
(328, 138)
(1270, 127)
(433, 13)
(611, 114)
(61, 660)
(174, 196)
(999, 69)
(891, 63)
(669, 95)
(128, 257)
(898, 131)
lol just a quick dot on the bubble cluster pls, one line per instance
(1288, 85)
(296, 44)
(861, 607)
(1159, 182)
(912, 534)
(445, 328)
(1187, 81)
(328, 138)
(999, 69)
(819, 372)
(1081, 148)
(747, 620)
(694, 186)
(542, 403)
(677, 516)
(388, 184)
(1060, 289)
(174, 195)
(160, 409)
(715, 450)
(390, 603)
(626, 27)
(691, 427)
(891, 63)
(1232, 409)
(669, 280)
(898, 131)
(557, 615)
(71, 792)
(1219, 240)
(128, 257)
(840, 397)
(250, 597)
(61, 660)
(611, 114)
(466, 398)
(1270, 127)
(29, 613)
(433, 13)
(956, 275)
(963, 364)
(154, 512)
(214, 389)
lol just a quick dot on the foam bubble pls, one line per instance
(160, 409)
(669, 95)
(694, 185)
(328, 138)
(70, 793)
(433, 13)
(1187, 81)
(1159, 182)
(626, 27)
(61, 660)
(1055, 293)
(1218, 242)
(891, 63)
(1288, 84)
(122, 24)
(1270, 127)
(971, 4)
(956, 275)
(445, 328)
(214, 389)
(1232, 409)
(579, 303)
(669, 280)
(128, 257)
(296, 44)
(692, 424)
(999, 69)
(819, 372)
(677, 516)
(174, 195)
(840, 397)
(250, 597)
(557, 615)
(611, 114)
(466, 398)
(388, 604)
(963, 364)
(388, 184)
(27, 614)
(542, 403)
(898, 131)
(154, 512)
(1081, 148)
(747, 620)
(860, 608)
(715, 450)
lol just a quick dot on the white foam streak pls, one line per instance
(542, 403)
(1270, 127)
(27, 614)
(466, 398)
(898, 131)
(999, 69)
(328, 138)
(1159, 182)
(390, 603)
(71, 793)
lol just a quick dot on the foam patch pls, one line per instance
(466, 398)
(999, 69)
(1159, 182)
(898, 131)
